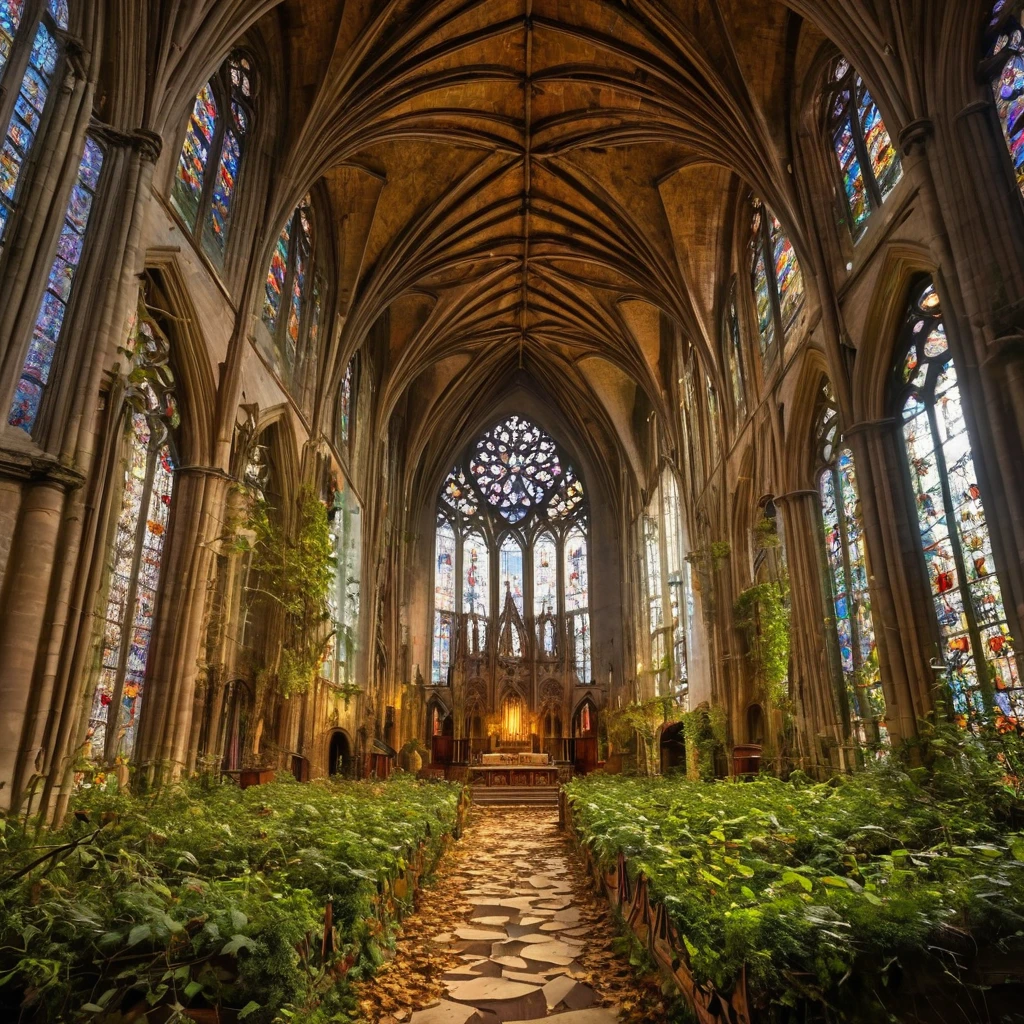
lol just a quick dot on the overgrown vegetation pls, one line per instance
(642, 720)
(705, 731)
(294, 572)
(210, 898)
(826, 892)
(762, 612)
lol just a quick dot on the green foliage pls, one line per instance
(704, 729)
(766, 534)
(642, 719)
(295, 573)
(826, 891)
(209, 897)
(762, 612)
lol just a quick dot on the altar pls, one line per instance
(517, 769)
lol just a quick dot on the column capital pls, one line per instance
(870, 426)
(147, 142)
(915, 133)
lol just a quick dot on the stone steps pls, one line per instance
(534, 796)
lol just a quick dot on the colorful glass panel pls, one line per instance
(444, 576)
(788, 275)
(510, 569)
(762, 291)
(49, 323)
(545, 576)
(516, 466)
(577, 588)
(131, 600)
(1008, 86)
(441, 658)
(10, 19)
(23, 128)
(581, 645)
(868, 163)
(568, 498)
(476, 572)
(734, 350)
(955, 537)
(345, 404)
(216, 233)
(276, 275)
(187, 191)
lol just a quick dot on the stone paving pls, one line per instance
(511, 931)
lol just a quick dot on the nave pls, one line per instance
(607, 407)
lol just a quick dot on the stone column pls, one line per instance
(181, 617)
(26, 600)
(812, 684)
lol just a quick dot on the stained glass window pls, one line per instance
(514, 472)
(776, 278)
(345, 397)
(48, 328)
(1005, 68)
(515, 467)
(476, 572)
(664, 584)
(846, 556)
(734, 355)
(291, 313)
(218, 126)
(869, 166)
(510, 568)
(346, 540)
(33, 92)
(545, 575)
(444, 600)
(137, 556)
(977, 645)
(714, 425)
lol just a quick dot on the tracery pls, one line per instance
(512, 511)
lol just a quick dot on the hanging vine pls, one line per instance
(762, 612)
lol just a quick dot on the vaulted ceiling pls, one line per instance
(532, 189)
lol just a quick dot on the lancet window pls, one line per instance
(293, 298)
(346, 405)
(868, 163)
(733, 346)
(665, 583)
(512, 553)
(48, 329)
(777, 280)
(1004, 68)
(345, 518)
(206, 175)
(846, 558)
(31, 45)
(976, 639)
(151, 414)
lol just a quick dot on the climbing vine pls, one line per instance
(762, 612)
(642, 719)
(293, 573)
(704, 729)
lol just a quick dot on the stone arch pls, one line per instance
(340, 753)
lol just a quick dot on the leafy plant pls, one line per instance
(642, 719)
(826, 892)
(762, 612)
(210, 897)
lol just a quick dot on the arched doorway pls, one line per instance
(339, 754)
(441, 731)
(584, 731)
(673, 748)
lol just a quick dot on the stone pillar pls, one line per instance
(181, 617)
(812, 684)
(25, 604)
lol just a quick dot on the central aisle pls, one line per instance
(511, 930)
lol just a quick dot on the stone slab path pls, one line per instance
(510, 930)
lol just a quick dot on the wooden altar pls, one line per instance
(513, 775)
